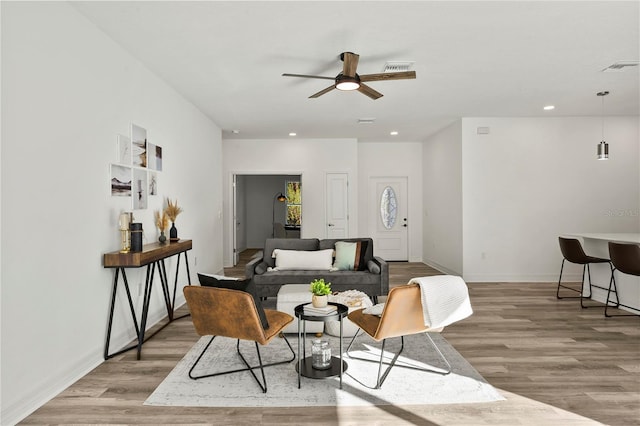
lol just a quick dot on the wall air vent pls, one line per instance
(398, 66)
(366, 120)
(621, 66)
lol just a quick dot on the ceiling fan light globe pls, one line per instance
(348, 85)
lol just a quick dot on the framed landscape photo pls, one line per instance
(120, 180)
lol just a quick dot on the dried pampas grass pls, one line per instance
(162, 220)
(172, 210)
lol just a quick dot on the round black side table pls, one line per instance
(304, 367)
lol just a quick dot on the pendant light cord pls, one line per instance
(602, 117)
(602, 95)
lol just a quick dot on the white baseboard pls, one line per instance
(513, 278)
(45, 390)
(521, 278)
(441, 268)
(58, 381)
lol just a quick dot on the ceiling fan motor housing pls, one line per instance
(344, 82)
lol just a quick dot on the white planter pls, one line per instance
(319, 301)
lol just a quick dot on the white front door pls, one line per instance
(388, 221)
(337, 202)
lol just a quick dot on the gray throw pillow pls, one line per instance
(373, 267)
(261, 268)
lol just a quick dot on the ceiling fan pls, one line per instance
(348, 79)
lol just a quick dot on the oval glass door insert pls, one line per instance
(388, 207)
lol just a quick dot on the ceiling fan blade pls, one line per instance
(322, 92)
(403, 75)
(350, 64)
(373, 94)
(308, 76)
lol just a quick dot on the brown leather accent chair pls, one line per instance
(402, 316)
(233, 313)
(625, 259)
(572, 251)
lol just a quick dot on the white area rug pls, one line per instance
(403, 386)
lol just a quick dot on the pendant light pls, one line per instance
(603, 147)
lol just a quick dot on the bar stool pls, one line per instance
(572, 251)
(626, 259)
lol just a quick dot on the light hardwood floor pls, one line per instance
(555, 363)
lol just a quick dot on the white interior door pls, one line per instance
(337, 202)
(388, 220)
(236, 222)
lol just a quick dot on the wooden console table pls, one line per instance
(152, 256)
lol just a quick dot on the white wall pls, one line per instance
(310, 158)
(533, 179)
(392, 160)
(442, 209)
(67, 91)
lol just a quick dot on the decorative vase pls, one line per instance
(173, 232)
(320, 354)
(319, 301)
(162, 238)
(136, 237)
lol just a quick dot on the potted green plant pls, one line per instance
(320, 291)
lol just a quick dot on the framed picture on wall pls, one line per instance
(158, 156)
(153, 183)
(124, 150)
(138, 146)
(154, 157)
(139, 189)
(120, 180)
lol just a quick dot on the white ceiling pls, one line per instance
(472, 59)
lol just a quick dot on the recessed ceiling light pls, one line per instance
(292, 134)
(394, 133)
(549, 107)
(235, 132)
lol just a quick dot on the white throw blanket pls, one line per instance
(445, 299)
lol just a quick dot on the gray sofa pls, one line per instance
(374, 280)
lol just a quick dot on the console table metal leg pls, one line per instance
(113, 304)
(131, 308)
(145, 305)
(107, 355)
(175, 282)
(165, 288)
(186, 261)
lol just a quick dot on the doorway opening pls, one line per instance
(265, 206)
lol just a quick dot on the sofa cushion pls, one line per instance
(271, 244)
(350, 256)
(336, 278)
(368, 250)
(247, 286)
(298, 260)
